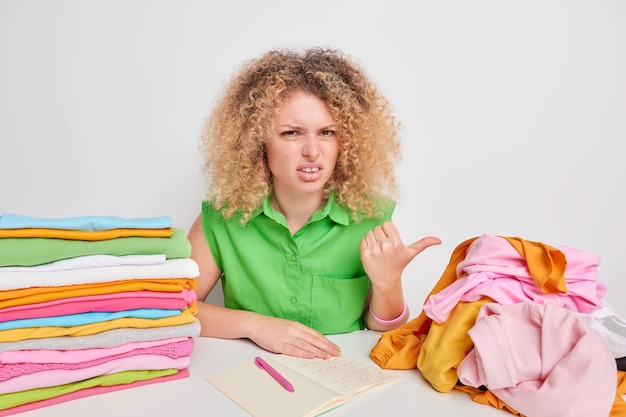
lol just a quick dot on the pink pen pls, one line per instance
(274, 373)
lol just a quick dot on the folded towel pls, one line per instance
(89, 261)
(33, 295)
(93, 223)
(81, 319)
(104, 339)
(172, 350)
(172, 268)
(55, 357)
(85, 235)
(14, 335)
(36, 251)
(102, 302)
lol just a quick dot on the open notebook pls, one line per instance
(319, 385)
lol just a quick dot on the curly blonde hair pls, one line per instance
(236, 132)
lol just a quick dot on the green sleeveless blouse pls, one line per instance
(314, 277)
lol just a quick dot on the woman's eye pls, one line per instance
(328, 134)
(290, 134)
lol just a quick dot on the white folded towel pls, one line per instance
(90, 261)
(172, 268)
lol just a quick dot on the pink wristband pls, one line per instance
(389, 322)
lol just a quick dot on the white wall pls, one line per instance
(512, 111)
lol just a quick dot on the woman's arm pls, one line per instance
(273, 334)
(384, 258)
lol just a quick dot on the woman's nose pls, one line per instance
(311, 147)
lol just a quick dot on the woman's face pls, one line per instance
(303, 149)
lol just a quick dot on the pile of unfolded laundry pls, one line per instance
(518, 325)
(90, 305)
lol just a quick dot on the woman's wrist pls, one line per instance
(392, 321)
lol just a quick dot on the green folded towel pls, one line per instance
(38, 251)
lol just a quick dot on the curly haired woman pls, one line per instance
(299, 155)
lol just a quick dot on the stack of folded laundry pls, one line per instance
(90, 305)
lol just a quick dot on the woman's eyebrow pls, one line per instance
(289, 125)
(298, 127)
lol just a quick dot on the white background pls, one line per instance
(513, 112)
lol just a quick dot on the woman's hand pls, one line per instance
(384, 256)
(291, 338)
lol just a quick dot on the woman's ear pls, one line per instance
(264, 166)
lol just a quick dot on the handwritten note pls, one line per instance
(342, 374)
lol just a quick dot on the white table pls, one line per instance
(194, 396)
